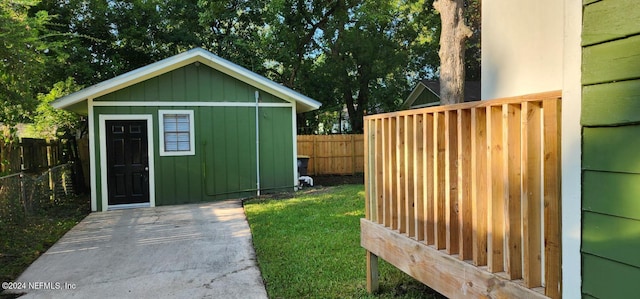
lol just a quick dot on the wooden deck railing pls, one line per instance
(477, 188)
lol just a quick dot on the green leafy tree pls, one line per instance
(82, 28)
(21, 60)
(376, 56)
(233, 30)
(362, 55)
(473, 52)
(294, 51)
(52, 123)
(107, 38)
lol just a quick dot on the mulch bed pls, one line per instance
(319, 182)
(336, 180)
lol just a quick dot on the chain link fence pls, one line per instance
(23, 194)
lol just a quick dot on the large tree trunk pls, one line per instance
(452, 46)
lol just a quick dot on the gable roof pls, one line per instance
(471, 92)
(303, 103)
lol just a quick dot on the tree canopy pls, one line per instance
(358, 56)
(21, 59)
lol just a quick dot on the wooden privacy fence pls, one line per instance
(333, 154)
(29, 155)
(466, 197)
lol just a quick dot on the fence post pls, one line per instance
(3, 153)
(52, 196)
(23, 195)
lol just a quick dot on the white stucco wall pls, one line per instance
(531, 46)
(571, 143)
(522, 47)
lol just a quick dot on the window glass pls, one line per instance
(177, 134)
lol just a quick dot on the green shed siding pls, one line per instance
(190, 83)
(611, 149)
(426, 97)
(276, 156)
(224, 164)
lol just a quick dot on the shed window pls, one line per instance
(176, 133)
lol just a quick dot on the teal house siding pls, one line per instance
(241, 145)
(611, 149)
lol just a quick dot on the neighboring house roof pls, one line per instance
(303, 103)
(418, 99)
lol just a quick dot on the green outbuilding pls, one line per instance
(190, 128)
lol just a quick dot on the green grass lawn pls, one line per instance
(308, 246)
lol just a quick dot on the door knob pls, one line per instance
(146, 168)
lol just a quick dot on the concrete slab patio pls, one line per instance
(187, 251)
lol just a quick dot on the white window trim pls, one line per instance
(192, 140)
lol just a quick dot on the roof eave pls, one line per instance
(303, 103)
(127, 79)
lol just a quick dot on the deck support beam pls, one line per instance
(442, 272)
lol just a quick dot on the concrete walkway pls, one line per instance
(187, 251)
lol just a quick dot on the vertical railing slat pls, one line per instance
(532, 193)
(388, 169)
(552, 208)
(418, 177)
(381, 159)
(430, 154)
(513, 206)
(479, 184)
(408, 156)
(401, 177)
(393, 166)
(451, 181)
(464, 185)
(367, 176)
(379, 172)
(439, 191)
(495, 187)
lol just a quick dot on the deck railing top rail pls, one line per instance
(536, 97)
